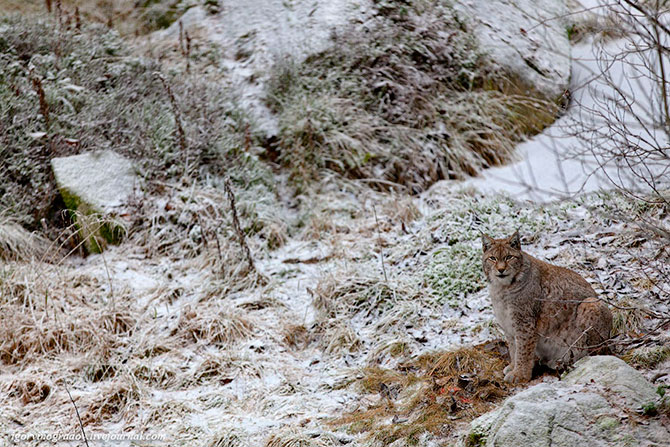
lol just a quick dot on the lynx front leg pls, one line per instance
(524, 357)
(511, 347)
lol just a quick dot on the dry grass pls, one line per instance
(129, 17)
(31, 388)
(27, 336)
(18, 244)
(223, 368)
(647, 357)
(429, 394)
(296, 438)
(628, 318)
(116, 399)
(414, 107)
(348, 295)
(296, 336)
(338, 338)
(212, 326)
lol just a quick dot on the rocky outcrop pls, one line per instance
(593, 405)
(526, 39)
(251, 35)
(97, 187)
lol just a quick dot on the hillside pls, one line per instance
(298, 262)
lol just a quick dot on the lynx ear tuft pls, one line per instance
(515, 241)
(487, 241)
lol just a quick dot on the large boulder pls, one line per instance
(251, 35)
(526, 39)
(97, 188)
(593, 405)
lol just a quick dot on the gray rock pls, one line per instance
(253, 34)
(98, 186)
(609, 372)
(527, 39)
(590, 406)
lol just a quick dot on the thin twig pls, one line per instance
(236, 224)
(81, 425)
(381, 248)
(181, 135)
(109, 277)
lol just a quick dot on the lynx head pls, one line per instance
(502, 259)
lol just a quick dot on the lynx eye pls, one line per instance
(492, 258)
(509, 257)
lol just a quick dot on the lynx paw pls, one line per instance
(515, 376)
(507, 369)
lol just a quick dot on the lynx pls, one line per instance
(549, 315)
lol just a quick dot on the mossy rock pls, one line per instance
(96, 187)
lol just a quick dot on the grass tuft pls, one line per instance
(296, 438)
(17, 244)
(422, 398)
(220, 327)
(647, 357)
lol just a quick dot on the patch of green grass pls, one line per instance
(454, 269)
(408, 100)
(455, 272)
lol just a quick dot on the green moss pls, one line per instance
(475, 439)
(608, 423)
(454, 269)
(455, 272)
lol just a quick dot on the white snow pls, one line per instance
(254, 34)
(557, 163)
(523, 38)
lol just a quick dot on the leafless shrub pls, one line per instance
(621, 119)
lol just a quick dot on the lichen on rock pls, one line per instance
(590, 406)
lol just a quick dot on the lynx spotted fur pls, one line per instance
(549, 314)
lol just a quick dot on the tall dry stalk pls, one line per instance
(181, 135)
(39, 89)
(236, 225)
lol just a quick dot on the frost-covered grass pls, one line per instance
(130, 17)
(174, 334)
(405, 100)
(66, 92)
(355, 326)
